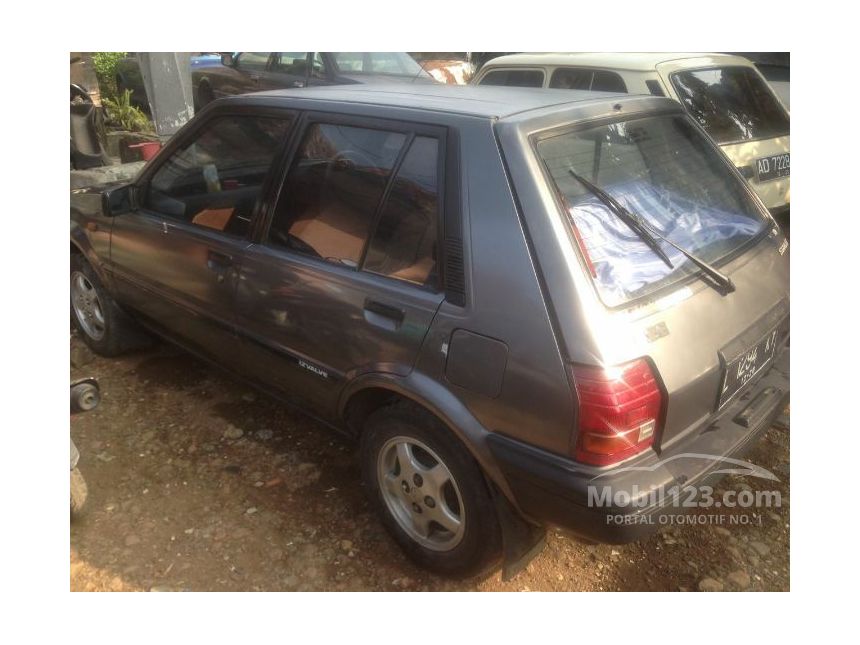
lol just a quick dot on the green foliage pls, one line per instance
(105, 64)
(125, 116)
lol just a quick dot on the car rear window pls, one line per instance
(732, 104)
(514, 78)
(663, 169)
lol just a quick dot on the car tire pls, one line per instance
(105, 328)
(78, 493)
(441, 484)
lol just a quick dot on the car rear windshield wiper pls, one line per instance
(720, 281)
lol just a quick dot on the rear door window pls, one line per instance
(514, 78)
(292, 63)
(215, 179)
(404, 241)
(333, 189)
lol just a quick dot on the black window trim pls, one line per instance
(409, 128)
(186, 135)
(707, 68)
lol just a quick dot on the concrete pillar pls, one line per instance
(167, 77)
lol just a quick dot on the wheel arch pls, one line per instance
(370, 392)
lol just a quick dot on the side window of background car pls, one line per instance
(608, 82)
(214, 180)
(253, 61)
(292, 63)
(403, 245)
(514, 78)
(333, 189)
(569, 78)
(566, 78)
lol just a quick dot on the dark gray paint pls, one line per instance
(525, 287)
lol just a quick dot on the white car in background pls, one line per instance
(725, 94)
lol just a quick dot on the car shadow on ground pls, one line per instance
(197, 482)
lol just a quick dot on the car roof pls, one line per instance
(635, 61)
(489, 102)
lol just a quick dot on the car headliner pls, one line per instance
(489, 102)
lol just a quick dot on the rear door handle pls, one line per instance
(383, 315)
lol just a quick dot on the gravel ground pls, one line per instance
(198, 483)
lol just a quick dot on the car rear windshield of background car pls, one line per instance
(514, 78)
(732, 104)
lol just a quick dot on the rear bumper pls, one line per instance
(558, 491)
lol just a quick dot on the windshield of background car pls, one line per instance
(376, 63)
(663, 169)
(732, 104)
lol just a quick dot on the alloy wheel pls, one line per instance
(421, 493)
(87, 306)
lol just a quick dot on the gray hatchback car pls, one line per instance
(506, 296)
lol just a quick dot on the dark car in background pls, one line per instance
(504, 295)
(129, 77)
(244, 72)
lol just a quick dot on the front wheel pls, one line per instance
(105, 328)
(429, 492)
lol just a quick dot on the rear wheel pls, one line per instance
(429, 492)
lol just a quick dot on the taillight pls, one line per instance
(619, 409)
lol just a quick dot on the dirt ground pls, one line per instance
(198, 483)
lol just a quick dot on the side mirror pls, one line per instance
(227, 59)
(116, 201)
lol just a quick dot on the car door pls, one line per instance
(176, 255)
(243, 76)
(286, 70)
(344, 280)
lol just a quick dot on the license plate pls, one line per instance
(773, 167)
(744, 368)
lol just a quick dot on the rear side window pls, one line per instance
(292, 63)
(404, 242)
(571, 78)
(333, 189)
(514, 78)
(214, 180)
